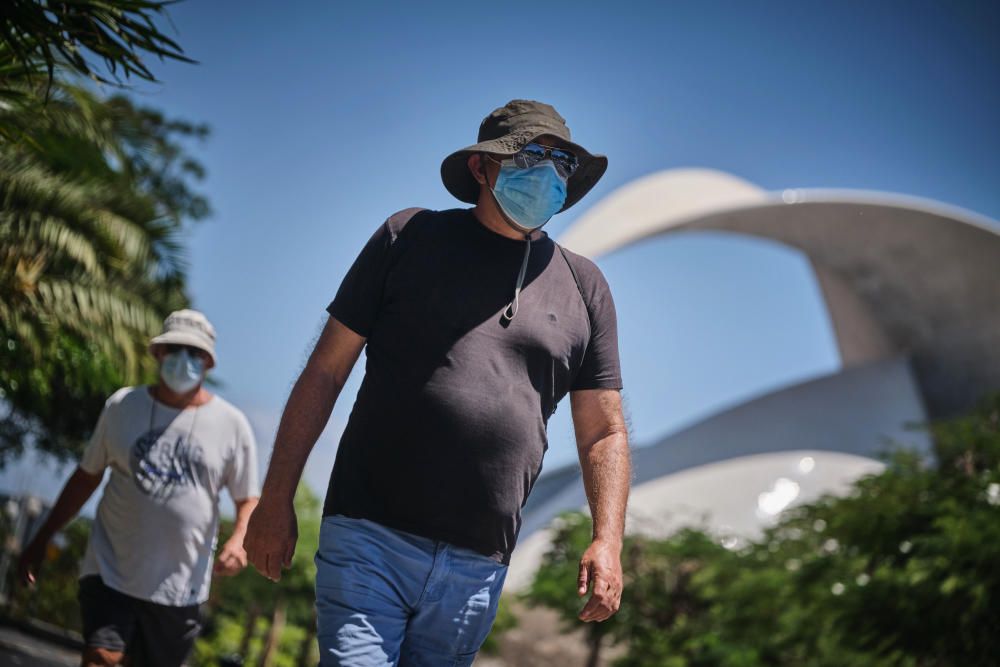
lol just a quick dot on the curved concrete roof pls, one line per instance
(926, 274)
(855, 411)
(731, 509)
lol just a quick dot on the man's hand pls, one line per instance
(80, 486)
(601, 571)
(272, 529)
(232, 559)
(30, 561)
(271, 536)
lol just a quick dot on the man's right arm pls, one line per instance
(79, 487)
(272, 531)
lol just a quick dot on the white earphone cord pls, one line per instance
(511, 310)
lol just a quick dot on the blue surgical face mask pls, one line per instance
(182, 371)
(529, 197)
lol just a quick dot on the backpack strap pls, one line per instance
(397, 221)
(576, 279)
(583, 297)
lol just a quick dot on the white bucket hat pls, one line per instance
(187, 327)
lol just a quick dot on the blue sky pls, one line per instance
(327, 117)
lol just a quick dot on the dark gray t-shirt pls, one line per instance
(448, 431)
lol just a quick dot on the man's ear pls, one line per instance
(477, 168)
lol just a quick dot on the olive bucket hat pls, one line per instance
(509, 129)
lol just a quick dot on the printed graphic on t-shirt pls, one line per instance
(165, 463)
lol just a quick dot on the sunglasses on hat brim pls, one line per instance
(564, 161)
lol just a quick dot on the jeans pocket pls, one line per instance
(475, 616)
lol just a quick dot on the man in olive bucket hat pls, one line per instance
(475, 324)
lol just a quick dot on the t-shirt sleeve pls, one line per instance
(601, 367)
(242, 481)
(359, 298)
(96, 455)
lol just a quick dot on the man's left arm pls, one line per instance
(233, 557)
(602, 442)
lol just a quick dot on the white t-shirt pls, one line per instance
(157, 522)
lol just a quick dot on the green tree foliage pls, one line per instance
(39, 36)
(92, 205)
(902, 572)
(94, 193)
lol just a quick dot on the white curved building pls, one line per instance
(912, 288)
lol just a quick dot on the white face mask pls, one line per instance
(182, 371)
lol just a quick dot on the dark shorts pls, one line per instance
(150, 633)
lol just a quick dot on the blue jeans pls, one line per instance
(385, 597)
